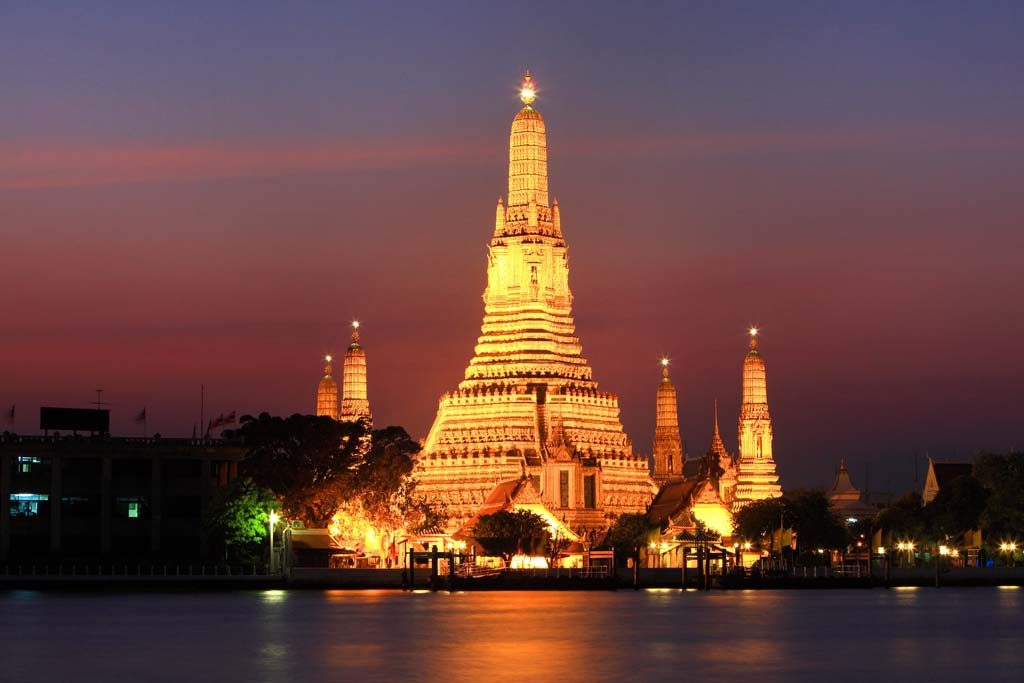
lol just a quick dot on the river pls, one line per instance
(837, 635)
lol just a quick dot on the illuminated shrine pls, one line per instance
(528, 405)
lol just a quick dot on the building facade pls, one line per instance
(102, 498)
(528, 404)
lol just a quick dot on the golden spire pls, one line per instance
(327, 391)
(668, 443)
(717, 446)
(527, 89)
(753, 337)
(528, 152)
(354, 403)
(499, 217)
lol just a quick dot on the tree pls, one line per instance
(304, 460)
(511, 532)
(759, 519)
(237, 519)
(1003, 476)
(379, 494)
(957, 508)
(904, 519)
(557, 544)
(810, 515)
(629, 534)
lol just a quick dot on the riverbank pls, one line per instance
(532, 580)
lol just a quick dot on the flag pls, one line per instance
(141, 417)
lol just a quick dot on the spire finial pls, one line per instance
(664, 368)
(355, 331)
(716, 417)
(753, 337)
(527, 89)
(328, 368)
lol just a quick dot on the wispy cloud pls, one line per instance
(34, 166)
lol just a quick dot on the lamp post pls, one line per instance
(273, 521)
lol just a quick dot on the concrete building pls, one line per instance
(96, 498)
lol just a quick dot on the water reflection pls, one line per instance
(929, 634)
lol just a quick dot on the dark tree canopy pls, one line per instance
(810, 515)
(807, 513)
(303, 459)
(758, 519)
(510, 532)
(629, 534)
(957, 508)
(1003, 476)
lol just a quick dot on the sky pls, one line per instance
(207, 193)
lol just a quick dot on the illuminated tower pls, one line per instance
(527, 405)
(755, 475)
(668, 448)
(327, 392)
(354, 403)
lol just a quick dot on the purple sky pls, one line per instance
(192, 194)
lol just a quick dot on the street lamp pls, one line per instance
(273, 521)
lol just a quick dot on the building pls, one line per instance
(846, 499)
(756, 477)
(103, 498)
(668, 444)
(528, 403)
(327, 392)
(941, 473)
(354, 404)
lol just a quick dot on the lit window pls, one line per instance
(133, 510)
(25, 463)
(27, 504)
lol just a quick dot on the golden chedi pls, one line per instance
(327, 392)
(528, 405)
(756, 477)
(354, 402)
(668, 445)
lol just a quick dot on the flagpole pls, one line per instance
(202, 409)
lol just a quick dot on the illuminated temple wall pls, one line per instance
(528, 405)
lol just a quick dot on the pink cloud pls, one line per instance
(32, 166)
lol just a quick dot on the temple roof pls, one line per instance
(673, 498)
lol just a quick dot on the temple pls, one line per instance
(846, 499)
(327, 392)
(354, 404)
(668, 445)
(756, 477)
(528, 407)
